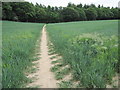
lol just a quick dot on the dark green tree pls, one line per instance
(24, 11)
(27, 12)
(70, 14)
(82, 15)
(40, 14)
(91, 14)
(8, 13)
(115, 12)
(80, 5)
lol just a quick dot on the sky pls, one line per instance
(110, 3)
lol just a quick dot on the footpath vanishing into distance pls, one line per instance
(44, 77)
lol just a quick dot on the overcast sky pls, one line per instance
(110, 3)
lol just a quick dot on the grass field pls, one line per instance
(18, 43)
(90, 48)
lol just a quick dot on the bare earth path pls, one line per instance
(45, 78)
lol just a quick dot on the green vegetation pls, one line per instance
(53, 57)
(27, 12)
(66, 84)
(19, 41)
(56, 67)
(57, 61)
(60, 71)
(90, 48)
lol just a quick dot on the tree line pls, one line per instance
(28, 12)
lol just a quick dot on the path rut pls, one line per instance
(45, 78)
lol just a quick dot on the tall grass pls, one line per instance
(17, 52)
(90, 48)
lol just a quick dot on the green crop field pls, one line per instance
(18, 41)
(70, 45)
(90, 48)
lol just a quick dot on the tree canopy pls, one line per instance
(28, 12)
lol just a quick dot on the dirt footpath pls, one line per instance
(45, 78)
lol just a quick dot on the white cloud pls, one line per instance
(110, 3)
